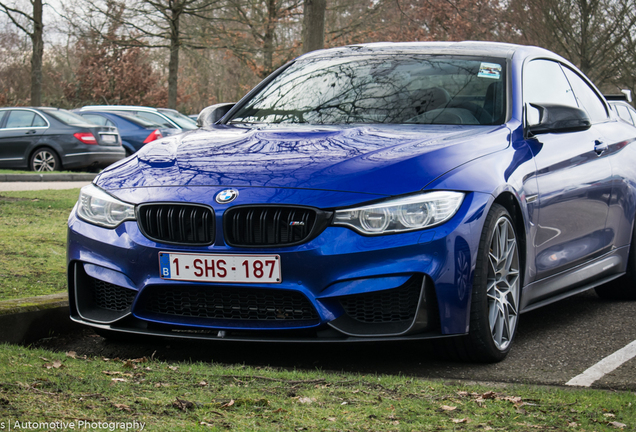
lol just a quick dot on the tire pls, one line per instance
(45, 159)
(623, 288)
(494, 309)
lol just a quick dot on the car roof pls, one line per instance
(468, 48)
(119, 114)
(118, 108)
(34, 108)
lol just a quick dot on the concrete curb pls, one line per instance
(46, 177)
(29, 319)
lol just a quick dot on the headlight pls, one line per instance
(403, 214)
(97, 207)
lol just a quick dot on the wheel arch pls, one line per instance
(511, 203)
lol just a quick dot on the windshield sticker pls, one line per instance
(489, 70)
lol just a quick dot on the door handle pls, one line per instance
(29, 132)
(600, 147)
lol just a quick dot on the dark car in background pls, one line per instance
(49, 139)
(164, 117)
(135, 132)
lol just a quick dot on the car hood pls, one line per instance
(385, 160)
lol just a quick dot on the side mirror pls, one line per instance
(212, 114)
(551, 118)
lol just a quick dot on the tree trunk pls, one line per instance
(173, 65)
(38, 52)
(584, 60)
(268, 39)
(314, 25)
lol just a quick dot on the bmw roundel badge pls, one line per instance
(226, 196)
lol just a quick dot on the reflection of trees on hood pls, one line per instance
(265, 155)
(327, 158)
(279, 156)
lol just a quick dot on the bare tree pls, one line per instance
(593, 34)
(422, 20)
(153, 24)
(263, 34)
(314, 25)
(31, 24)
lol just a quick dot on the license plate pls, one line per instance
(109, 139)
(220, 268)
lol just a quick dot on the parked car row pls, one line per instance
(163, 117)
(91, 138)
(50, 139)
(135, 131)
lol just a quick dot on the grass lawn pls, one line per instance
(33, 233)
(42, 386)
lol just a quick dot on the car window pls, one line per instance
(68, 117)
(586, 97)
(138, 121)
(623, 113)
(545, 83)
(632, 111)
(154, 118)
(38, 121)
(98, 120)
(629, 113)
(183, 121)
(24, 119)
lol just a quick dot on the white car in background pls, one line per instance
(164, 117)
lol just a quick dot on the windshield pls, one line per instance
(398, 89)
(183, 121)
(68, 117)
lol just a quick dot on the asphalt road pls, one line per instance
(553, 345)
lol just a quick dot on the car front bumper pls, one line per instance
(339, 286)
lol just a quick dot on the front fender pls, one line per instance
(511, 172)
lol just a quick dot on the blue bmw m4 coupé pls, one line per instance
(373, 192)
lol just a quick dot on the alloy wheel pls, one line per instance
(503, 283)
(44, 161)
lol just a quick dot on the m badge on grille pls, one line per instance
(226, 196)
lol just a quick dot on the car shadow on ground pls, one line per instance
(413, 358)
